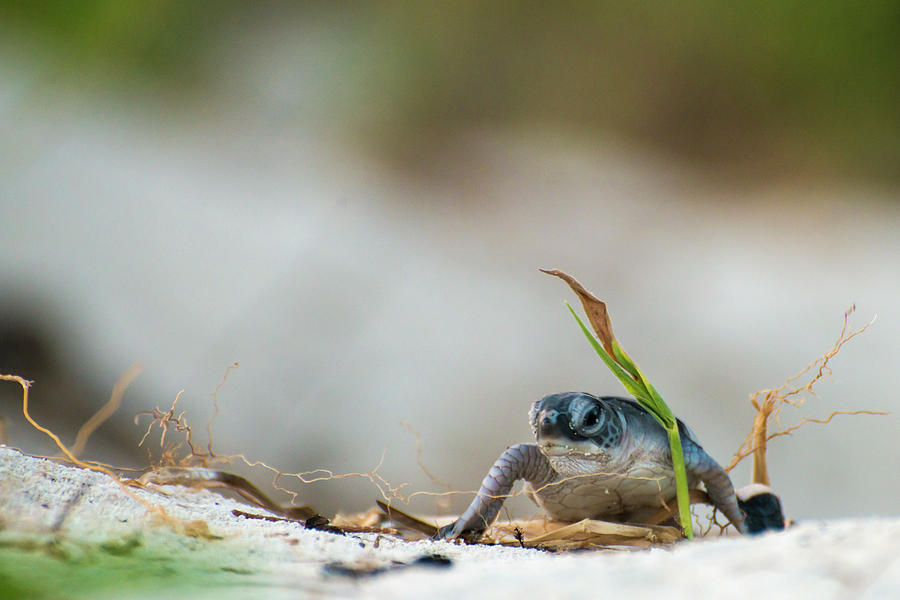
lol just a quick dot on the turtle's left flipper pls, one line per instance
(718, 485)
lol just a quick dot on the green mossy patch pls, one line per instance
(53, 568)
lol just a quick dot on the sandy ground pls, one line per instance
(76, 530)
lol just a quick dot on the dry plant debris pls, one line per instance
(108, 409)
(792, 393)
(194, 468)
(543, 533)
(26, 386)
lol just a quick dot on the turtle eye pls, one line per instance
(590, 423)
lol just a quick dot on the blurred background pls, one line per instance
(353, 199)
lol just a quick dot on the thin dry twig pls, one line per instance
(215, 399)
(177, 421)
(165, 420)
(387, 491)
(431, 476)
(108, 409)
(26, 385)
(769, 404)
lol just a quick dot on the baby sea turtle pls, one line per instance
(607, 458)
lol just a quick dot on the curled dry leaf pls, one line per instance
(202, 477)
(594, 308)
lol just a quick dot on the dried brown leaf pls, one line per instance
(594, 308)
(398, 517)
(607, 533)
(589, 533)
(201, 477)
(200, 529)
(370, 518)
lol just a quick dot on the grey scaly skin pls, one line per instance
(595, 458)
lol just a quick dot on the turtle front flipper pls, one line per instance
(718, 485)
(522, 461)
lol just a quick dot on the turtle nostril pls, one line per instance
(548, 422)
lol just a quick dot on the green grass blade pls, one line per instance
(630, 384)
(623, 359)
(659, 405)
(638, 386)
(681, 485)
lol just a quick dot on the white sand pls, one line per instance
(857, 557)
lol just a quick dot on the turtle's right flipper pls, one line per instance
(522, 461)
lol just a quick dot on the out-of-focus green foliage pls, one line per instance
(779, 85)
(128, 39)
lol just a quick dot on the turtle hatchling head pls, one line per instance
(575, 423)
